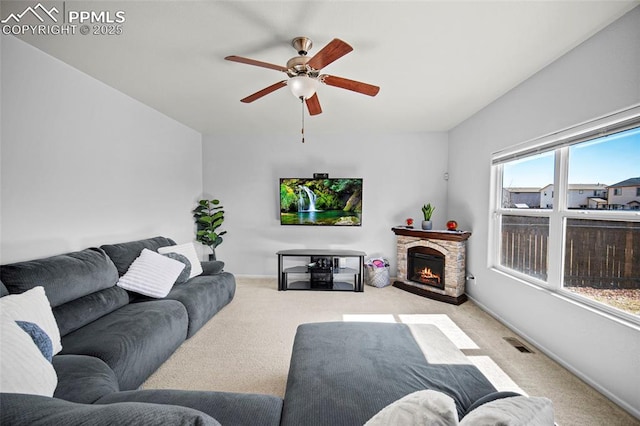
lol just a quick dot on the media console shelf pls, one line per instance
(320, 270)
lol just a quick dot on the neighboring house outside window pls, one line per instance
(626, 192)
(580, 239)
(522, 198)
(576, 196)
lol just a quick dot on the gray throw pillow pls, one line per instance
(212, 267)
(184, 275)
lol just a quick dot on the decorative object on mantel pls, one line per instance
(409, 222)
(427, 211)
(209, 216)
(432, 263)
(452, 225)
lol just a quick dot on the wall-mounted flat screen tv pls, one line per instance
(328, 202)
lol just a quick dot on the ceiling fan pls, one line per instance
(304, 73)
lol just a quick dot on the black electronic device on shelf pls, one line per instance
(321, 272)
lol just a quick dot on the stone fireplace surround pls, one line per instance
(452, 244)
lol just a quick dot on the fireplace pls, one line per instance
(425, 266)
(432, 263)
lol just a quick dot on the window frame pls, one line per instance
(559, 214)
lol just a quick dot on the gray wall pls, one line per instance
(600, 76)
(401, 172)
(83, 164)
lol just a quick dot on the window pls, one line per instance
(600, 263)
(584, 247)
(524, 180)
(524, 244)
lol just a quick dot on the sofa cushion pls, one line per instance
(77, 313)
(133, 340)
(204, 296)
(228, 408)
(41, 411)
(151, 274)
(188, 250)
(123, 254)
(23, 369)
(33, 306)
(83, 378)
(64, 277)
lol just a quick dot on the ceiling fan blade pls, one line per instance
(248, 61)
(332, 51)
(344, 83)
(264, 92)
(313, 105)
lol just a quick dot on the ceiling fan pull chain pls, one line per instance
(302, 103)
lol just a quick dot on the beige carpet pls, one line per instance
(247, 346)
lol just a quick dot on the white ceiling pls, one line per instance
(437, 62)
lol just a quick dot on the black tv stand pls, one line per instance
(319, 270)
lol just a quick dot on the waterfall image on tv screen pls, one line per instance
(335, 201)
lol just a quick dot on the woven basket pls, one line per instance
(376, 277)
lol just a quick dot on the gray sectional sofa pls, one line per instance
(112, 340)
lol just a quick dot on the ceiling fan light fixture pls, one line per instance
(303, 86)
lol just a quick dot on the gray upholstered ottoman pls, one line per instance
(343, 373)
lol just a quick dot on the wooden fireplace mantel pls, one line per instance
(435, 235)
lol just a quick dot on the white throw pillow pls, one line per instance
(188, 250)
(151, 274)
(33, 306)
(23, 368)
(426, 407)
(515, 411)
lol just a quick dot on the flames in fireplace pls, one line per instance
(425, 266)
(427, 276)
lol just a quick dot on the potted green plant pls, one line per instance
(209, 215)
(427, 211)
